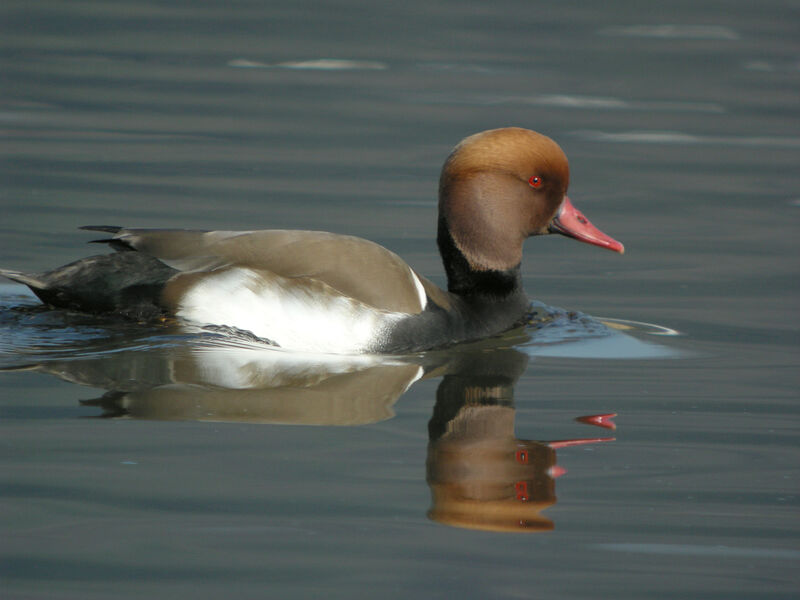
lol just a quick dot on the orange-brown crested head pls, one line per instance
(497, 188)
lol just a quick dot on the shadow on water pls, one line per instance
(481, 476)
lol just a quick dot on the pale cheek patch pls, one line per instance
(297, 314)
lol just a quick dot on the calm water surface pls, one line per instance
(155, 462)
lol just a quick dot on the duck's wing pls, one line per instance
(355, 267)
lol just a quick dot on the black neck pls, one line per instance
(470, 283)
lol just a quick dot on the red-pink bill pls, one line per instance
(570, 222)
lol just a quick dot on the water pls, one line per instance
(152, 462)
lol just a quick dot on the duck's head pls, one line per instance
(501, 186)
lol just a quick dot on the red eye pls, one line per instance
(535, 181)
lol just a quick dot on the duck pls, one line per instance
(321, 292)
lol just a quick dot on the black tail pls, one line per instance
(126, 283)
(32, 280)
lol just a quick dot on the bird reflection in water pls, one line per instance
(480, 475)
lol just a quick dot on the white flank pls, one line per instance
(297, 314)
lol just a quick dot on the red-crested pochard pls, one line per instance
(322, 292)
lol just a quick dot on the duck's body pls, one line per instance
(292, 288)
(322, 292)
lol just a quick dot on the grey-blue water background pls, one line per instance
(681, 122)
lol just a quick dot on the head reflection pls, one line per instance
(480, 475)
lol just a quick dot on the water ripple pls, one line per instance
(574, 101)
(698, 550)
(678, 137)
(319, 64)
(674, 32)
